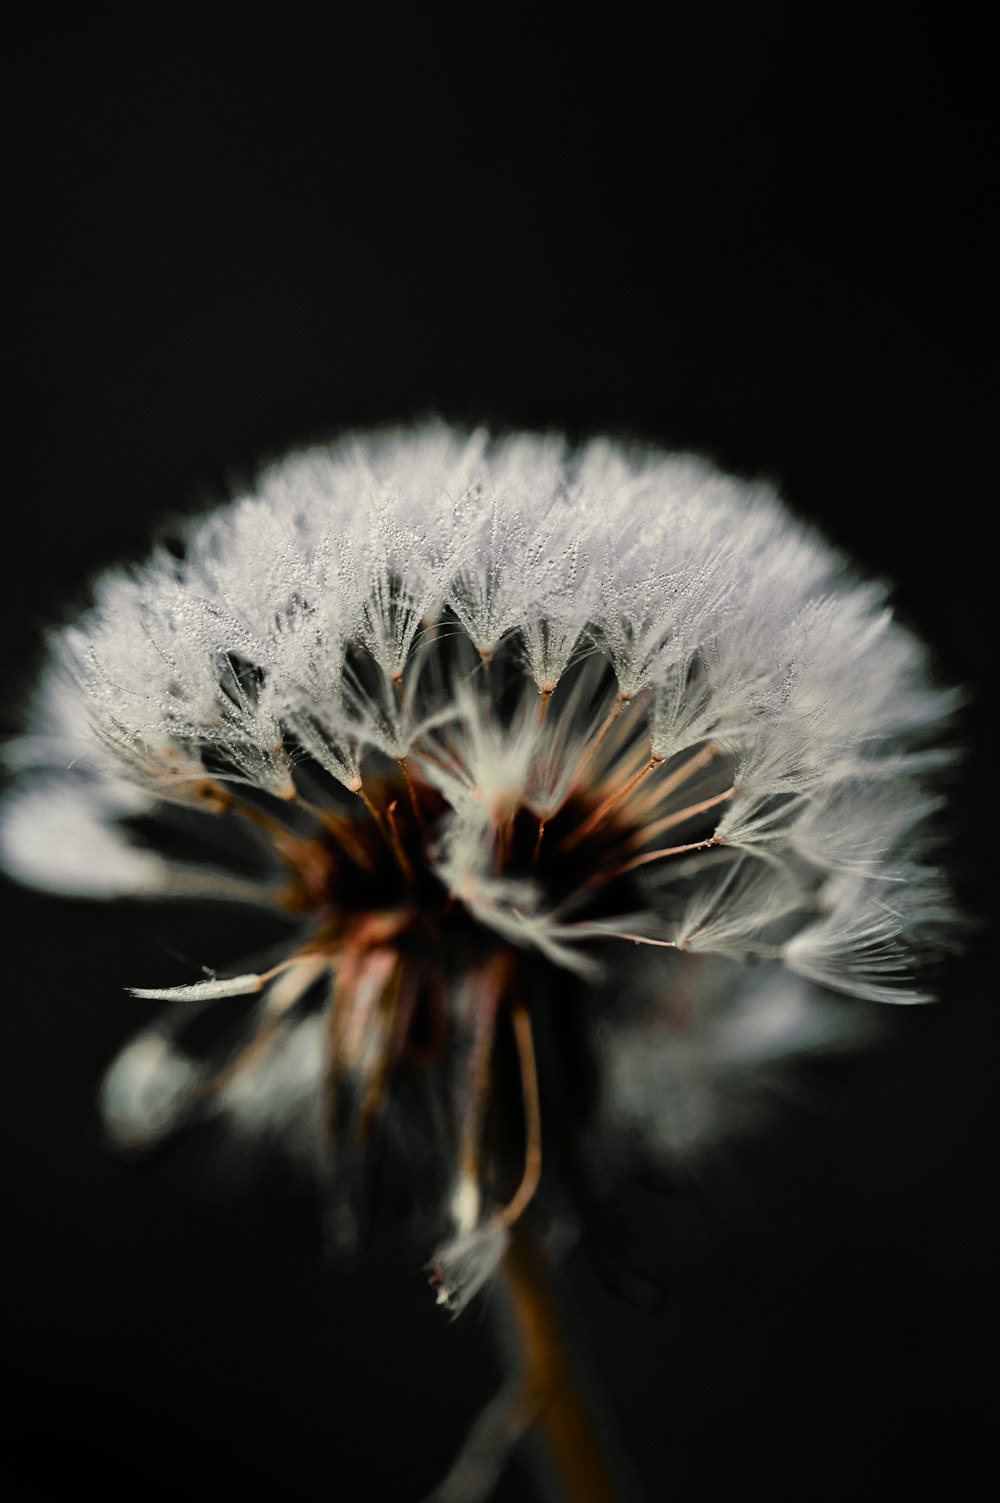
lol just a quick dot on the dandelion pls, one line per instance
(544, 755)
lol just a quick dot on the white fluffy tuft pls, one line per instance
(516, 624)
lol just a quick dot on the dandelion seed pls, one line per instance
(506, 722)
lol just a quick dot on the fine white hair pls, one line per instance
(304, 624)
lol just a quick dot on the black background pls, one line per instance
(758, 233)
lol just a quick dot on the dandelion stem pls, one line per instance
(640, 939)
(232, 986)
(375, 814)
(538, 842)
(549, 1397)
(389, 832)
(412, 791)
(406, 1005)
(694, 763)
(291, 846)
(276, 1010)
(478, 1071)
(379, 1076)
(503, 843)
(678, 817)
(617, 706)
(601, 877)
(603, 810)
(396, 841)
(541, 1392)
(532, 1117)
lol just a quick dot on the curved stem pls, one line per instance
(540, 1401)
(550, 1399)
(532, 1117)
(611, 802)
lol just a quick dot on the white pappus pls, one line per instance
(518, 730)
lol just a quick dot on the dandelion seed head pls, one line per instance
(515, 730)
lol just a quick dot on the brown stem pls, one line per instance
(541, 1395)
(647, 856)
(492, 980)
(376, 814)
(618, 704)
(603, 810)
(548, 1397)
(532, 1117)
(293, 848)
(678, 817)
(694, 763)
(271, 1020)
(538, 842)
(396, 841)
(412, 791)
